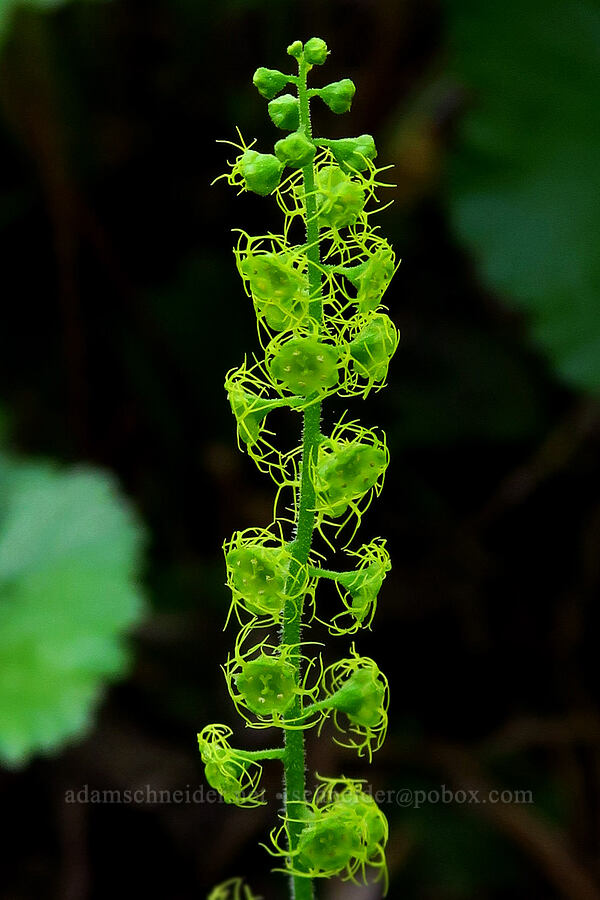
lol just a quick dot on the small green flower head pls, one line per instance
(295, 150)
(269, 82)
(236, 779)
(259, 172)
(258, 573)
(232, 889)
(338, 95)
(266, 684)
(278, 288)
(262, 681)
(353, 154)
(359, 589)
(329, 844)
(315, 51)
(344, 833)
(356, 687)
(340, 201)
(285, 113)
(372, 349)
(347, 470)
(372, 279)
(304, 365)
(347, 796)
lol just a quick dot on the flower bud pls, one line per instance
(295, 150)
(339, 200)
(372, 278)
(261, 171)
(315, 51)
(361, 698)
(353, 153)
(305, 365)
(267, 685)
(346, 472)
(269, 82)
(284, 112)
(373, 347)
(295, 49)
(338, 95)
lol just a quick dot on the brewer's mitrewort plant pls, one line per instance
(317, 291)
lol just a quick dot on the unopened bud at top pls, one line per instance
(295, 49)
(315, 51)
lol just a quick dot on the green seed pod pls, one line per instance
(261, 171)
(361, 698)
(338, 95)
(295, 49)
(258, 574)
(266, 685)
(295, 150)
(372, 279)
(328, 844)
(340, 200)
(315, 51)
(345, 472)
(352, 153)
(269, 82)
(278, 289)
(285, 113)
(305, 366)
(373, 347)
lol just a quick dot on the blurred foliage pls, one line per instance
(69, 557)
(525, 178)
(8, 9)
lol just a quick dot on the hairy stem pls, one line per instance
(294, 761)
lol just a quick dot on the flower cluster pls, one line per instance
(317, 289)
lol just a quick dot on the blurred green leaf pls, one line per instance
(525, 179)
(69, 554)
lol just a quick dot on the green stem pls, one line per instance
(275, 753)
(317, 572)
(294, 762)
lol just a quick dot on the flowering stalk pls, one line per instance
(317, 291)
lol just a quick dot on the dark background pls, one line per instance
(121, 313)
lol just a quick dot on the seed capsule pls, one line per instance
(269, 82)
(338, 95)
(305, 365)
(284, 112)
